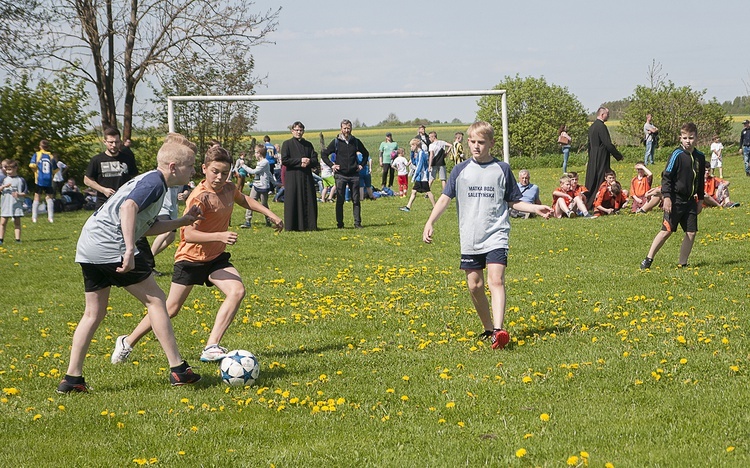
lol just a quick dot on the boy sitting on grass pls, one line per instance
(108, 257)
(485, 189)
(201, 257)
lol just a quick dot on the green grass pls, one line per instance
(633, 368)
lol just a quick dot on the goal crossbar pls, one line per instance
(352, 96)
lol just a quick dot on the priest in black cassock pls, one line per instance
(300, 202)
(600, 148)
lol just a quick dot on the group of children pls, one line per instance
(108, 256)
(484, 187)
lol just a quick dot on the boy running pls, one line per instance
(108, 257)
(485, 189)
(201, 256)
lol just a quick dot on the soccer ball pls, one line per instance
(239, 368)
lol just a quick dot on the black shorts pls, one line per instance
(684, 214)
(101, 276)
(190, 273)
(422, 187)
(480, 261)
(46, 190)
(144, 249)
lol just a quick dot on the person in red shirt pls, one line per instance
(609, 199)
(716, 192)
(639, 186)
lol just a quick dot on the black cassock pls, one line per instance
(300, 201)
(600, 148)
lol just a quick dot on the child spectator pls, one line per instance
(239, 173)
(402, 170)
(610, 199)
(201, 257)
(329, 182)
(261, 183)
(421, 174)
(655, 199)
(578, 191)
(716, 157)
(44, 165)
(716, 192)
(108, 257)
(639, 186)
(485, 189)
(563, 203)
(682, 186)
(12, 192)
(457, 148)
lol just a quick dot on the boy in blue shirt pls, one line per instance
(44, 166)
(485, 189)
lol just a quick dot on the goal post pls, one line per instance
(353, 96)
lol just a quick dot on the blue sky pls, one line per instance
(599, 50)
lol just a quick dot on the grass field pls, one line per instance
(369, 351)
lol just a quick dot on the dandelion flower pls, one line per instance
(572, 460)
(520, 453)
(544, 417)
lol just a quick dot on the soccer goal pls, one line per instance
(353, 96)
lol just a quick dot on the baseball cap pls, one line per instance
(746, 121)
(388, 134)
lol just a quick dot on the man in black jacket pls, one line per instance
(346, 167)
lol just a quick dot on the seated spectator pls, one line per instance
(562, 202)
(655, 199)
(529, 193)
(716, 192)
(610, 199)
(72, 198)
(639, 185)
(578, 193)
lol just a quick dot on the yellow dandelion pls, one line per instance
(450, 404)
(526, 379)
(37, 417)
(11, 391)
(404, 398)
(405, 378)
(461, 424)
(528, 436)
(730, 448)
(520, 453)
(609, 465)
(544, 417)
(572, 460)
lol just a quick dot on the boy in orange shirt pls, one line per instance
(609, 199)
(578, 193)
(201, 256)
(563, 203)
(716, 192)
(639, 186)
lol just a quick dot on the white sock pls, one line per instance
(50, 209)
(34, 208)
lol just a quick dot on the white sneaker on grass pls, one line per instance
(122, 350)
(213, 353)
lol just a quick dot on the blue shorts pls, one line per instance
(480, 261)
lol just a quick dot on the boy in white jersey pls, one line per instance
(107, 254)
(485, 189)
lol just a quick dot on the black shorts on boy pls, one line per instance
(100, 276)
(190, 273)
(683, 214)
(44, 190)
(421, 187)
(480, 261)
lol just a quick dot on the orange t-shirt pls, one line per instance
(217, 211)
(640, 187)
(711, 184)
(556, 197)
(604, 198)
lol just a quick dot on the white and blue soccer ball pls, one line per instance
(239, 368)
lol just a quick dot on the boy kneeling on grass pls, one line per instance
(201, 257)
(108, 257)
(485, 189)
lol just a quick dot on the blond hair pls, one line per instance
(178, 138)
(481, 128)
(173, 153)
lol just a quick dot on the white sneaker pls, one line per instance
(122, 350)
(213, 353)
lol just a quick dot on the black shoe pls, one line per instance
(646, 263)
(486, 335)
(358, 226)
(183, 378)
(340, 226)
(67, 387)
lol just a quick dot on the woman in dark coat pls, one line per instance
(300, 202)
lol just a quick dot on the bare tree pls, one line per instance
(115, 44)
(655, 76)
